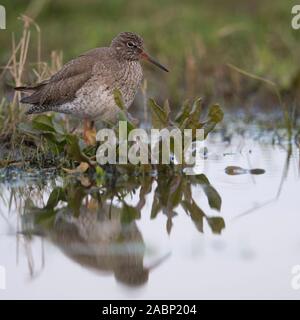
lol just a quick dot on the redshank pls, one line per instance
(84, 87)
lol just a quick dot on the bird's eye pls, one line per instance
(130, 44)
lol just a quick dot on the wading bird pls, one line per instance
(85, 86)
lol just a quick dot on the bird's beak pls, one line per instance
(159, 261)
(145, 56)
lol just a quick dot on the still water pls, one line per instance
(219, 234)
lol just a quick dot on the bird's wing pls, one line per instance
(63, 85)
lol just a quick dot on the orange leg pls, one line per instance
(89, 132)
(85, 130)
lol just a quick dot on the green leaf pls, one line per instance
(43, 123)
(194, 117)
(166, 108)
(190, 118)
(54, 143)
(160, 117)
(28, 129)
(125, 116)
(119, 99)
(215, 113)
(59, 138)
(183, 114)
(100, 175)
(74, 151)
(59, 129)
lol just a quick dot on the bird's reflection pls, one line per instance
(96, 227)
(97, 239)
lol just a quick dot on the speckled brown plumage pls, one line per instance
(84, 86)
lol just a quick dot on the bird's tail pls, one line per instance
(31, 88)
(22, 88)
(33, 98)
(26, 89)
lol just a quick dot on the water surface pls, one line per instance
(163, 238)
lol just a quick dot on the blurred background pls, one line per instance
(195, 39)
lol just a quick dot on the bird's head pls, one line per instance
(130, 46)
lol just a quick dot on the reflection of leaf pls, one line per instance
(195, 213)
(75, 197)
(46, 217)
(156, 206)
(169, 225)
(129, 214)
(167, 196)
(170, 193)
(145, 189)
(214, 199)
(56, 195)
(42, 216)
(85, 181)
(217, 224)
(174, 191)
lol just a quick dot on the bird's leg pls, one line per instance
(85, 128)
(89, 132)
